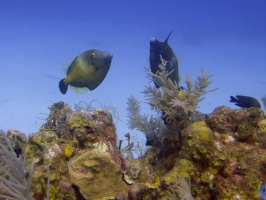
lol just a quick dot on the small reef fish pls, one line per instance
(87, 70)
(163, 49)
(245, 101)
(262, 191)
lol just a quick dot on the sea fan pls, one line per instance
(13, 180)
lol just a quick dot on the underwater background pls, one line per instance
(39, 38)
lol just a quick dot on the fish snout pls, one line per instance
(109, 54)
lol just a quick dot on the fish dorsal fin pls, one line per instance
(166, 40)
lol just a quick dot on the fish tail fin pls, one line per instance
(233, 99)
(63, 86)
(166, 40)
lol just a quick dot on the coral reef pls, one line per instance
(80, 150)
(211, 150)
(76, 157)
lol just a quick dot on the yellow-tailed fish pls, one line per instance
(87, 70)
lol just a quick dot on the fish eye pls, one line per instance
(93, 55)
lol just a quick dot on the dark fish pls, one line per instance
(245, 101)
(87, 70)
(158, 48)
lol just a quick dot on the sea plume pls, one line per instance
(177, 104)
(150, 126)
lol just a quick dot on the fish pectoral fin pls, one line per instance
(63, 86)
(91, 69)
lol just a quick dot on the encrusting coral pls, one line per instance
(96, 174)
(220, 164)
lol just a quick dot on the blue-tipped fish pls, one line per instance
(87, 70)
(245, 101)
(163, 49)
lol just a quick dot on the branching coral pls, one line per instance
(13, 181)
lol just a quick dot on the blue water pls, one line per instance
(38, 38)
